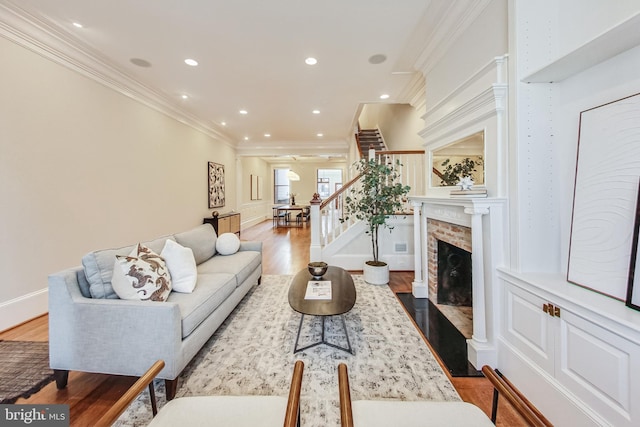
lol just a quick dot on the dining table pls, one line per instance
(287, 222)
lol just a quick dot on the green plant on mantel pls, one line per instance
(378, 197)
(454, 172)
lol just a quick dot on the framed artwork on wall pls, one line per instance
(605, 196)
(216, 185)
(254, 187)
(633, 291)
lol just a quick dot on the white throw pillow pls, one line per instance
(228, 244)
(182, 266)
(142, 275)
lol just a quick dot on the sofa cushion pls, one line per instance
(195, 307)
(98, 266)
(141, 275)
(227, 244)
(181, 265)
(241, 264)
(201, 240)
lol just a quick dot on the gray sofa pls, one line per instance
(92, 330)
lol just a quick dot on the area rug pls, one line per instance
(24, 369)
(252, 354)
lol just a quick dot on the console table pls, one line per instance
(225, 223)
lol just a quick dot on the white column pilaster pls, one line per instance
(419, 287)
(478, 343)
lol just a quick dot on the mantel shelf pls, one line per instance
(616, 40)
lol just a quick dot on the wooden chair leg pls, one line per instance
(172, 387)
(61, 377)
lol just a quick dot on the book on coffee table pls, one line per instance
(318, 289)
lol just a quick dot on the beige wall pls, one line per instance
(83, 167)
(398, 123)
(254, 211)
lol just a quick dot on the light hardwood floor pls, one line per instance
(285, 251)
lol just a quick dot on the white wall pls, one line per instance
(462, 98)
(83, 167)
(545, 144)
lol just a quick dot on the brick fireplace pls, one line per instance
(437, 230)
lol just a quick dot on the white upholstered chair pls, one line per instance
(197, 411)
(401, 413)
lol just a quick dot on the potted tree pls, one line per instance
(378, 196)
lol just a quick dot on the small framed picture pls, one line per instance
(633, 291)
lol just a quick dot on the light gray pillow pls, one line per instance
(201, 240)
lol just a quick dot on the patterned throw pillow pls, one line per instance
(143, 275)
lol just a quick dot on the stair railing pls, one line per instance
(326, 224)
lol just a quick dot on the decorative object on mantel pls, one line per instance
(378, 197)
(216, 185)
(465, 184)
(474, 192)
(605, 195)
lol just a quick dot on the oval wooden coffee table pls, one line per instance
(343, 298)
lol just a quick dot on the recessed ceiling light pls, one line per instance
(319, 134)
(185, 97)
(246, 138)
(311, 61)
(77, 25)
(377, 59)
(243, 112)
(316, 111)
(191, 62)
(384, 96)
(223, 123)
(267, 135)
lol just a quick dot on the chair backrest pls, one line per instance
(346, 412)
(121, 404)
(291, 415)
(521, 404)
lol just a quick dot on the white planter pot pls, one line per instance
(376, 275)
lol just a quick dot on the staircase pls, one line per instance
(369, 138)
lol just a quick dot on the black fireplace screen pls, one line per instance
(454, 275)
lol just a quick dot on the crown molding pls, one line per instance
(415, 92)
(452, 20)
(487, 103)
(36, 34)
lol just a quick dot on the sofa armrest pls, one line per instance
(110, 335)
(250, 246)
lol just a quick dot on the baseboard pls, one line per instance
(23, 308)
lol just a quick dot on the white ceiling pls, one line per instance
(251, 56)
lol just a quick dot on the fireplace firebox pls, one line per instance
(454, 275)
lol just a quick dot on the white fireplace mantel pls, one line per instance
(485, 217)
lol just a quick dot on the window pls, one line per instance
(329, 180)
(280, 186)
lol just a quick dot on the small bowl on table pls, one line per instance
(317, 269)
